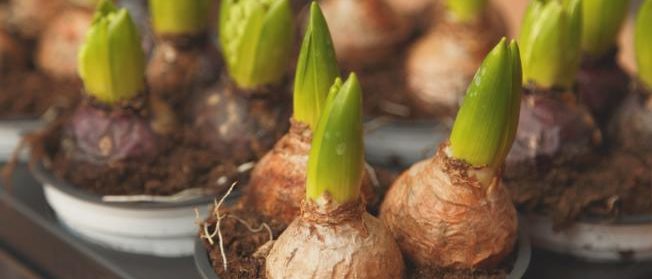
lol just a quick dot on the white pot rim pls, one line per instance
(626, 238)
(45, 176)
(11, 133)
(418, 140)
(165, 229)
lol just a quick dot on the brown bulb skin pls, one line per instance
(553, 129)
(335, 241)
(60, 42)
(240, 125)
(631, 127)
(602, 85)
(440, 65)
(13, 57)
(418, 12)
(365, 32)
(278, 182)
(31, 17)
(442, 216)
(181, 64)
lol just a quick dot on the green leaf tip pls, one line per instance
(103, 9)
(177, 17)
(336, 161)
(486, 123)
(466, 10)
(601, 21)
(550, 42)
(256, 38)
(316, 69)
(643, 43)
(111, 61)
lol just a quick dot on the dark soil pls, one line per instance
(181, 164)
(429, 273)
(570, 184)
(240, 244)
(499, 272)
(605, 186)
(30, 94)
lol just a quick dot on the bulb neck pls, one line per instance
(327, 211)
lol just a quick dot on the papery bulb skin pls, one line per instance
(365, 32)
(441, 64)
(278, 182)
(13, 57)
(602, 85)
(178, 66)
(31, 17)
(340, 242)
(60, 43)
(630, 127)
(441, 215)
(552, 127)
(240, 125)
(101, 135)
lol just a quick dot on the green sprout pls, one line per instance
(486, 123)
(643, 43)
(466, 10)
(336, 158)
(601, 22)
(256, 39)
(316, 70)
(111, 61)
(179, 16)
(550, 41)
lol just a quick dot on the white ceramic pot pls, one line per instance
(401, 143)
(627, 239)
(11, 132)
(165, 229)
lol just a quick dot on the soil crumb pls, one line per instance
(243, 248)
(432, 272)
(29, 94)
(182, 163)
(606, 186)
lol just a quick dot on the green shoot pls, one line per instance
(179, 16)
(601, 21)
(466, 10)
(643, 43)
(336, 158)
(316, 70)
(486, 123)
(550, 42)
(111, 60)
(256, 39)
